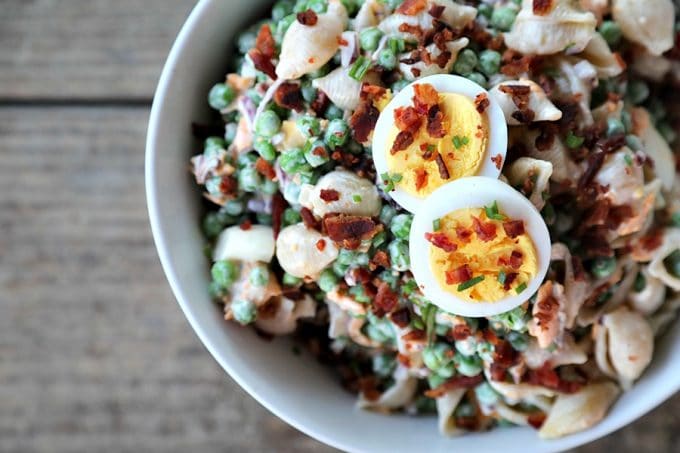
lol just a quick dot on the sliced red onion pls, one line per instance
(260, 205)
(381, 45)
(351, 50)
(248, 110)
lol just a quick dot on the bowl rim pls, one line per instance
(152, 193)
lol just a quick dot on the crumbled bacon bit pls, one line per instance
(265, 42)
(504, 354)
(321, 245)
(516, 259)
(414, 30)
(458, 275)
(486, 231)
(363, 121)
(320, 103)
(401, 317)
(482, 102)
(509, 279)
(381, 258)
(265, 168)
(407, 119)
(386, 299)
(548, 377)
(262, 63)
(652, 240)
(308, 17)
(342, 42)
(349, 230)
(424, 97)
(329, 195)
(442, 241)
(414, 335)
(421, 177)
(246, 225)
(368, 386)
(497, 160)
(289, 96)
(441, 166)
(436, 11)
(461, 332)
(524, 116)
(415, 72)
(278, 206)
(595, 161)
(542, 7)
(371, 92)
(515, 64)
(228, 185)
(308, 219)
(546, 137)
(464, 234)
(412, 7)
(402, 141)
(513, 228)
(435, 122)
(611, 144)
(456, 382)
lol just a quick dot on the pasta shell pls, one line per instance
(624, 343)
(243, 289)
(665, 316)
(651, 67)
(307, 48)
(368, 15)
(579, 79)
(446, 406)
(648, 23)
(598, 53)
(565, 28)
(422, 69)
(625, 182)
(566, 353)
(298, 254)
(341, 89)
(656, 147)
(346, 303)
(598, 7)
(455, 15)
(575, 290)
(621, 282)
(350, 188)
(580, 410)
(284, 320)
(539, 103)
(254, 244)
(527, 167)
(395, 397)
(338, 321)
(548, 331)
(657, 268)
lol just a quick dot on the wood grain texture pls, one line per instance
(85, 49)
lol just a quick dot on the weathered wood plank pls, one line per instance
(94, 353)
(85, 49)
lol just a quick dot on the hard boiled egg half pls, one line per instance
(478, 247)
(436, 130)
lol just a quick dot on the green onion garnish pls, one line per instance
(501, 277)
(359, 68)
(470, 283)
(389, 180)
(356, 198)
(459, 141)
(522, 286)
(628, 159)
(436, 224)
(574, 141)
(492, 212)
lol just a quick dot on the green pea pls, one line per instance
(379, 329)
(519, 341)
(486, 394)
(249, 179)
(439, 359)
(387, 213)
(308, 175)
(214, 185)
(467, 346)
(352, 6)
(465, 62)
(291, 216)
(387, 59)
(515, 319)
(291, 192)
(230, 132)
(213, 146)
(292, 160)
(637, 91)
(603, 267)
(234, 207)
(399, 85)
(611, 32)
(336, 134)
(333, 112)
(434, 380)
(502, 18)
(216, 291)
(309, 126)
(265, 149)
(267, 124)
(672, 263)
(349, 257)
(633, 142)
(485, 350)
(615, 127)
(224, 272)
(316, 153)
(322, 71)
(308, 93)
(281, 10)
(220, 96)
(484, 9)
(213, 224)
(399, 257)
(318, 6)
(384, 364)
(327, 281)
(401, 226)
(369, 38)
(468, 365)
(246, 41)
(339, 268)
(640, 282)
(259, 275)
(269, 187)
(489, 62)
(290, 280)
(359, 294)
(477, 77)
(244, 311)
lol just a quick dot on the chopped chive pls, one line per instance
(389, 180)
(628, 159)
(436, 224)
(356, 198)
(522, 286)
(430, 313)
(359, 68)
(431, 148)
(492, 212)
(501, 277)
(470, 283)
(459, 141)
(574, 141)
(396, 177)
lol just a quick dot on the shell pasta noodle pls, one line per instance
(468, 209)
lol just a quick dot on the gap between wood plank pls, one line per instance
(75, 103)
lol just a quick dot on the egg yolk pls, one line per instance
(482, 259)
(430, 162)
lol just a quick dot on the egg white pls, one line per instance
(475, 192)
(443, 83)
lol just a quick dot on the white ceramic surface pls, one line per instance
(297, 389)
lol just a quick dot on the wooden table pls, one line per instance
(95, 355)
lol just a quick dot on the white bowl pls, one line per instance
(296, 388)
